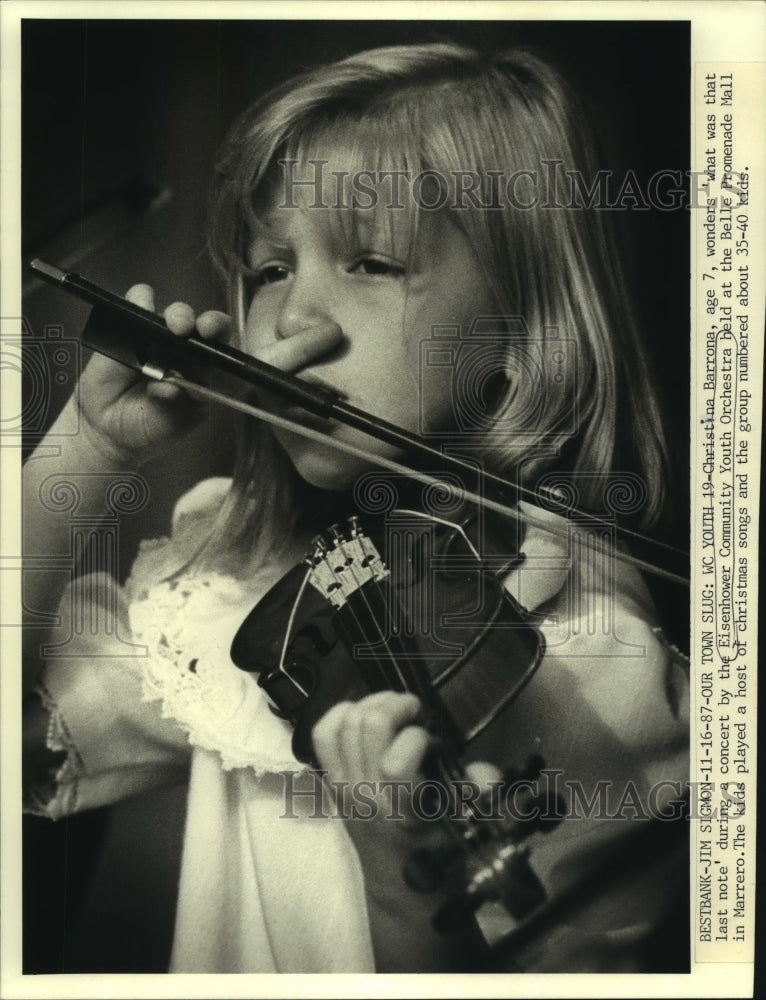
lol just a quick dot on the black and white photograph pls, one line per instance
(356, 497)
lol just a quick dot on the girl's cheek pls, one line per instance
(257, 327)
(437, 389)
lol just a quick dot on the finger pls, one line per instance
(352, 752)
(368, 730)
(326, 736)
(375, 730)
(297, 351)
(483, 773)
(401, 706)
(162, 390)
(404, 756)
(213, 324)
(351, 738)
(372, 726)
(141, 295)
(180, 318)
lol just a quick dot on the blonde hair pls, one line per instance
(447, 109)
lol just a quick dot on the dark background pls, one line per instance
(121, 121)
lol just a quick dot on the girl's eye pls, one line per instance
(375, 267)
(268, 275)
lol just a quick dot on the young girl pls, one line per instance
(363, 210)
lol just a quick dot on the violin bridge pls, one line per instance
(371, 557)
(339, 571)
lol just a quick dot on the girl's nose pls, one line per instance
(306, 308)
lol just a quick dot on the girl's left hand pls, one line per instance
(378, 739)
(367, 746)
(374, 739)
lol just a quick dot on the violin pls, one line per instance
(411, 599)
(350, 622)
(401, 601)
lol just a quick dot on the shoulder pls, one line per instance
(565, 564)
(193, 518)
(202, 502)
(605, 658)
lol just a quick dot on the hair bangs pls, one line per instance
(355, 169)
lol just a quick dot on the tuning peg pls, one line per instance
(319, 546)
(336, 534)
(355, 526)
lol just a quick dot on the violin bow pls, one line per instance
(141, 340)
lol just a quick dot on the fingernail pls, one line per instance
(179, 312)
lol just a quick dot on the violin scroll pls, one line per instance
(493, 863)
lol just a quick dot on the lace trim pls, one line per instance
(57, 795)
(188, 624)
(150, 564)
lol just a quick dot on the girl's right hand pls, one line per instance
(130, 416)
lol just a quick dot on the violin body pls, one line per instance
(430, 616)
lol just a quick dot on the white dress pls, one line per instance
(261, 892)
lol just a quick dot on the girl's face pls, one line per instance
(357, 284)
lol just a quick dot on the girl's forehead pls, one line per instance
(335, 196)
(353, 144)
(360, 167)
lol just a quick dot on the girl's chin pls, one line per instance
(322, 466)
(329, 468)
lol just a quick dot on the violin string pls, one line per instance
(291, 623)
(443, 521)
(448, 771)
(390, 656)
(289, 632)
(173, 378)
(380, 663)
